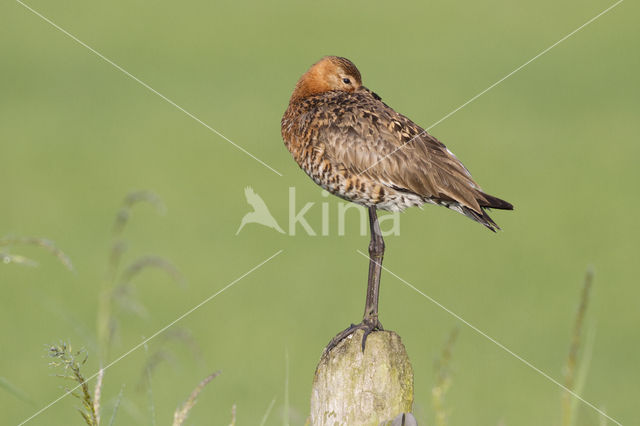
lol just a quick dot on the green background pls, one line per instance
(558, 139)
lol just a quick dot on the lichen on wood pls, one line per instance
(352, 387)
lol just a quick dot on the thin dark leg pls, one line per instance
(370, 320)
(376, 253)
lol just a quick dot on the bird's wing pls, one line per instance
(369, 138)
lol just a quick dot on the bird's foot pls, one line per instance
(368, 325)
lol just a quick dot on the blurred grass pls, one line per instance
(557, 140)
(443, 381)
(576, 368)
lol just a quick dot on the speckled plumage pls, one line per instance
(358, 148)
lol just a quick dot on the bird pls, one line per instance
(356, 147)
(260, 213)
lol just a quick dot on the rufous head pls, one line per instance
(329, 73)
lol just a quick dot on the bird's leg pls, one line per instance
(376, 253)
(370, 320)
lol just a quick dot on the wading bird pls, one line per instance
(356, 147)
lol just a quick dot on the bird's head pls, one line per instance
(329, 73)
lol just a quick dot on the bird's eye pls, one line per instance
(346, 81)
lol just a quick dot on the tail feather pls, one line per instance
(494, 202)
(483, 218)
(485, 201)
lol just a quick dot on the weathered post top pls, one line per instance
(352, 387)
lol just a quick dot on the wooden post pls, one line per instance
(352, 387)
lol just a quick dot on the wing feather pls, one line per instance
(368, 137)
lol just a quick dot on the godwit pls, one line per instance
(356, 147)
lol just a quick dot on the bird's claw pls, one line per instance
(368, 325)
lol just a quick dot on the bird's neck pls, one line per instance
(311, 83)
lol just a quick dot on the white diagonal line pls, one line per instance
(145, 341)
(133, 77)
(491, 339)
(495, 84)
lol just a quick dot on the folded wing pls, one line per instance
(373, 140)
